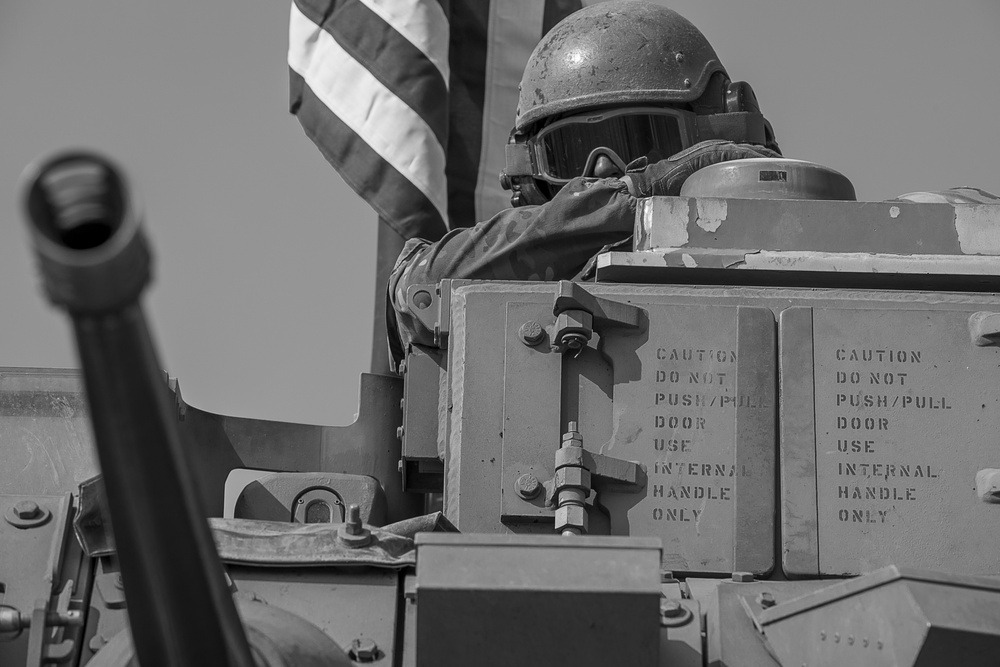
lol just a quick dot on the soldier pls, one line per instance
(606, 95)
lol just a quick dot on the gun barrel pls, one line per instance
(95, 262)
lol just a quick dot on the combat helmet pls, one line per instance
(636, 75)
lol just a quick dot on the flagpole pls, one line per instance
(388, 246)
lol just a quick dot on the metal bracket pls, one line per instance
(984, 328)
(431, 304)
(607, 474)
(578, 313)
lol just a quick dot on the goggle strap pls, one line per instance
(741, 127)
(518, 158)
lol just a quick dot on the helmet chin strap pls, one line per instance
(603, 163)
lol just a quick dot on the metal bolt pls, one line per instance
(27, 509)
(527, 486)
(531, 333)
(354, 520)
(671, 609)
(673, 614)
(742, 577)
(353, 533)
(572, 434)
(363, 649)
(766, 600)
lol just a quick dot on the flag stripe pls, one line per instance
(393, 196)
(469, 22)
(393, 59)
(364, 104)
(514, 30)
(423, 24)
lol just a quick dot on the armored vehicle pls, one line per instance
(766, 435)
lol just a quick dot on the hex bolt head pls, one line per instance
(353, 533)
(27, 509)
(531, 333)
(766, 600)
(363, 649)
(742, 577)
(527, 486)
(673, 614)
(354, 525)
(26, 514)
(671, 609)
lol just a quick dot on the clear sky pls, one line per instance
(263, 300)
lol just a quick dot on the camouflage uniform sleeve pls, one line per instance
(553, 241)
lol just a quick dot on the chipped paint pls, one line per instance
(664, 222)
(711, 213)
(871, 263)
(806, 260)
(893, 212)
(978, 227)
(643, 223)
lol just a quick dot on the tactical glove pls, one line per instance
(667, 176)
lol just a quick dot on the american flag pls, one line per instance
(412, 100)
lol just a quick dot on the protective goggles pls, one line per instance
(570, 147)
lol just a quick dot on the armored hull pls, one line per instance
(765, 436)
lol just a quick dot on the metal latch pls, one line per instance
(578, 472)
(578, 312)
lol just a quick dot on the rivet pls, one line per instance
(864, 642)
(687, 83)
(850, 640)
(679, 57)
(878, 644)
(822, 635)
(836, 637)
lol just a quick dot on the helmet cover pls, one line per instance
(615, 53)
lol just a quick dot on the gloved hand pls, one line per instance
(667, 176)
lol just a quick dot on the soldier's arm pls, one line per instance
(553, 241)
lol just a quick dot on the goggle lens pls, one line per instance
(565, 147)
